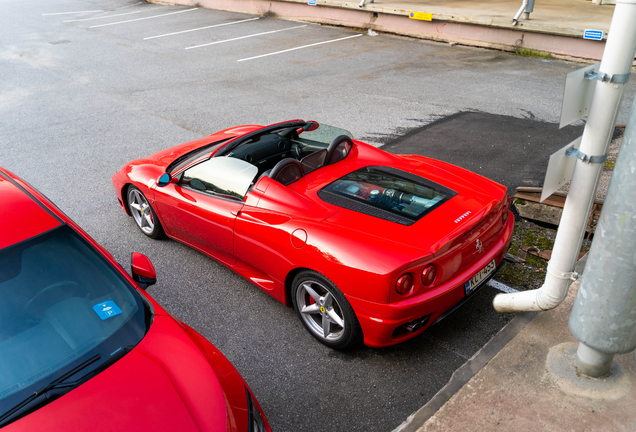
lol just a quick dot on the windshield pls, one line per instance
(61, 303)
(185, 159)
(224, 176)
(387, 193)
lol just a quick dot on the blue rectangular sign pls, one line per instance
(593, 34)
(107, 309)
(311, 2)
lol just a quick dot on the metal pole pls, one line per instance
(603, 318)
(615, 68)
(529, 9)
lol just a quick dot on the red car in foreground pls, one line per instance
(82, 347)
(361, 242)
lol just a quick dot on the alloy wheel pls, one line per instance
(320, 310)
(141, 211)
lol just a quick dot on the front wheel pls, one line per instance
(143, 214)
(324, 311)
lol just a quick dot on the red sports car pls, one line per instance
(82, 347)
(361, 242)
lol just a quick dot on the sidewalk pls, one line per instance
(524, 388)
(556, 27)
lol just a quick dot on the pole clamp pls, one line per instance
(573, 152)
(603, 77)
(564, 275)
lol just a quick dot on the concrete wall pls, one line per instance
(396, 21)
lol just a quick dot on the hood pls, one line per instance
(163, 384)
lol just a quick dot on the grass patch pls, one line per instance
(531, 274)
(532, 53)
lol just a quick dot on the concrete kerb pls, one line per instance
(496, 34)
(467, 371)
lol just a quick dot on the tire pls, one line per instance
(143, 214)
(324, 311)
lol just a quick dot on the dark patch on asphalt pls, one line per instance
(512, 151)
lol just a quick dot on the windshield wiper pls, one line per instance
(59, 388)
(55, 384)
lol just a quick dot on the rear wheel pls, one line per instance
(143, 214)
(324, 311)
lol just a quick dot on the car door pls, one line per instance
(201, 209)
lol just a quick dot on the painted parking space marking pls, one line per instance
(101, 17)
(245, 37)
(93, 11)
(300, 47)
(112, 16)
(202, 28)
(131, 5)
(501, 287)
(76, 12)
(145, 18)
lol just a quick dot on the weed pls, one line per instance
(531, 274)
(532, 53)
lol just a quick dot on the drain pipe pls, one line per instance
(519, 12)
(612, 76)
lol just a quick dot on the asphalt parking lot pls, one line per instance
(87, 85)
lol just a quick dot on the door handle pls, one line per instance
(236, 212)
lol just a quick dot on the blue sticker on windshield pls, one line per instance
(107, 309)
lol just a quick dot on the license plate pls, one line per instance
(482, 274)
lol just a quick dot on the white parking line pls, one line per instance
(70, 13)
(145, 18)
(201, 28)
(300, 47)
(501, 287)
(93, 11)
(130, 5)
(102, 17)
(245, 37)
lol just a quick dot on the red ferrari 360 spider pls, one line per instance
(361, 242)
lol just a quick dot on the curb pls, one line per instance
(466, 372)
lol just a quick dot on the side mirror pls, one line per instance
(164, 180)
(143, 272)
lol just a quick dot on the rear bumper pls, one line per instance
(382, 324)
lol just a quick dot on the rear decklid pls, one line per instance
(468, 206)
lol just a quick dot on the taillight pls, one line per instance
(507, 203)
(404, 283)
(428, 274)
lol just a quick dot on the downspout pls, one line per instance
(613, 74)
(519, 12)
